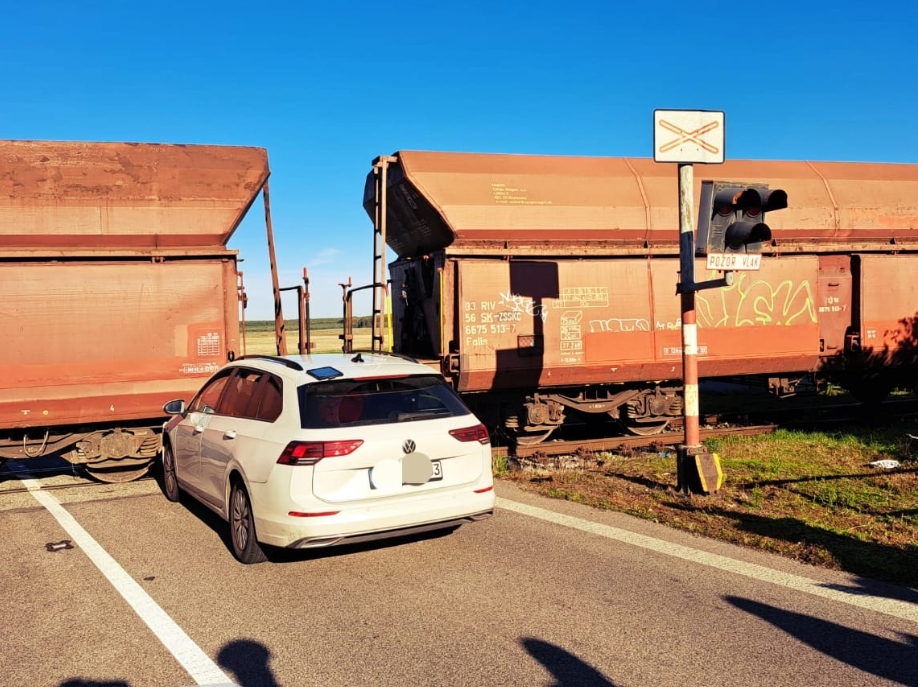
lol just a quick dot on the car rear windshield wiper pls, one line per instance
(420, 414)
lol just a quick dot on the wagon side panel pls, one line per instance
(888, 309)
(99, 342)
(551, 323)
(766, 321)
(529, 324)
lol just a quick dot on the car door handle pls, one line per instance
(231, 434)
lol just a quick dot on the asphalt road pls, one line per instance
(113, 586)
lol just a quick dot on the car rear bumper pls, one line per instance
(373, 535)
(373, 521)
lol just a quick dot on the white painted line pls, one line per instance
(893, 607)
(192, 658)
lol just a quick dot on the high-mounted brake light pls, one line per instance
(477, 433)
(311, 452)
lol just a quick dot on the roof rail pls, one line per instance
(292, 364)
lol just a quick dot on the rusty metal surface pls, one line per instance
(529, 324)
(63, 196)
(888, 308)
(834, 303)
(91, 342)
(535, 203)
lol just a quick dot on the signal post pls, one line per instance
(690, 452)
(687, 137)
(731, 230)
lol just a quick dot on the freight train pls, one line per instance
(117, 291)
(544, 287)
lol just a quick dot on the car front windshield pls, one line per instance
(377, 401)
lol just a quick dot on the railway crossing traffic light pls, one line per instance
(731, 217)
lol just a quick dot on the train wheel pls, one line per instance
(534, 437)
(645, 427)
(870, 391)
(117, 475)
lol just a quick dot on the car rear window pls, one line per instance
(380, 401)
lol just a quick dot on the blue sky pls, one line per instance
(328, 86)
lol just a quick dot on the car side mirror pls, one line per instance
(176, 407)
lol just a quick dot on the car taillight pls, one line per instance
(477, 433)
(311, 452)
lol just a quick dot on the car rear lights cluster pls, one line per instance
(311, 452)
(477, 433)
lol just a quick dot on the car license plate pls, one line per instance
(418, 469)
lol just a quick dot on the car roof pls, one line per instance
(349, 365)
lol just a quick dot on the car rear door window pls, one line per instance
(385, 400)
(272, 400)
(242, 394)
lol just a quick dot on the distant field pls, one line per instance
(316, 323)
(261, 340)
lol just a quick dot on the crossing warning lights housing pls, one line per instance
(731, 216)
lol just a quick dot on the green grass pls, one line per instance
(499, 465)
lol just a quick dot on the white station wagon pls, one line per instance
(317, 450)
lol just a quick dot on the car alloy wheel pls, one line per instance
(242, 527)
(170, 479)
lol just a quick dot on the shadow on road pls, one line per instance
(567, 669)
(249, 661)
(246, 659)
(884, 658)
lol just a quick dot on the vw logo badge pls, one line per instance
(409, 446)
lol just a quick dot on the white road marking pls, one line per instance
(893, 607)
(192, 658)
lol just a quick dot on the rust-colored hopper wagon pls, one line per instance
(117, 291)
(545, 287)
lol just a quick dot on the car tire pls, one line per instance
(170, 477)
(245, 546)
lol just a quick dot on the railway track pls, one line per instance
(46, 470)
(733, 423)
(623, 443)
